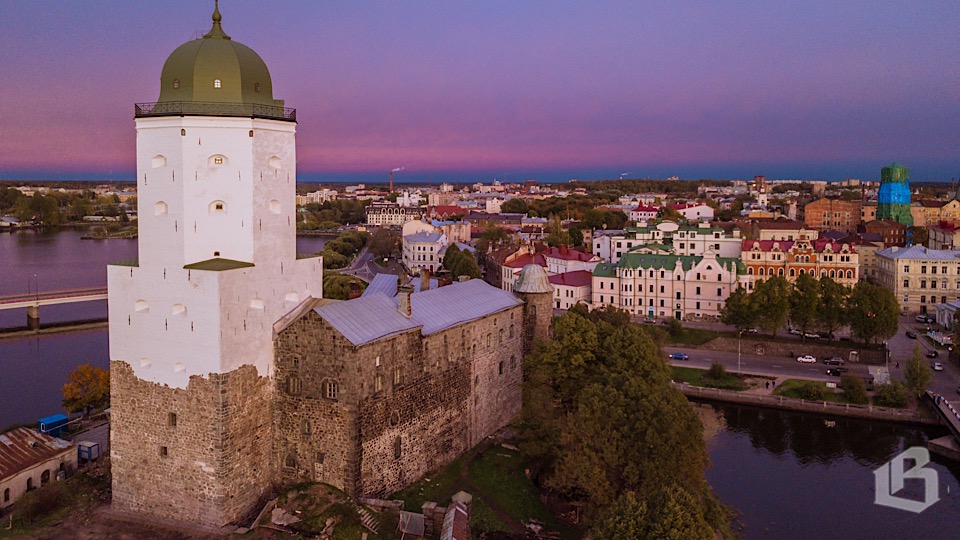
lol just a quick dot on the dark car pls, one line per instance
(932, 354)
(679, 356)
(911, 334)
(837, 371)
(835, 361)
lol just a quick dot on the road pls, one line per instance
(945, 382)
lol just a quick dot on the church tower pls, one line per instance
(192, 318)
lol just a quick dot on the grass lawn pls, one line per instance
(793, 388)
(698, 377)
(503, 498)
(693, 337)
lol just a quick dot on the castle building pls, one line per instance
(893, 198)
(191, 320)
(230, 376)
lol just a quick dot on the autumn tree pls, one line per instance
(87, 388)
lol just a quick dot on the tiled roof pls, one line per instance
(447, 210)
(568, 254)
(526, 259)
(387, 284)
(423, 237)
(439, 309)
(766, 245)
(24, 447)
(577, 278)
(645, 208)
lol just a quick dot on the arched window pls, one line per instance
(158, 161)
(290, 461)
(849, 274)
(306, 427)
(779, 273)
(397, 448)
(500, 336)
(750, 271)
(833, 274)
(511, 329)
(513, 363)
(6, 495)
(274, 206)
(216, 83)
(178, 310)
(44, 478)
(141, 306)
(29, 484)
(176, 84)
(500, 368)
(160, 208)
(217, 208)
(489, 339)
(793, 272)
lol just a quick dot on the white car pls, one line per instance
(807, 359)
(937, 366)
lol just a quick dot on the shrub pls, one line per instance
(717, 371)
(812, 390)
(891, 395)
(42, 502)
(854, 389)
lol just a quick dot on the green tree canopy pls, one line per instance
(576, 236)
(772, 301)
(515, 205)
(739, 310)
(340, 286)
(917, 375)
(804, 302)
(872, 312)
(831, 309)
(460, 262)
(383, 242)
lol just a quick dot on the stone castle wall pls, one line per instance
(199, 454)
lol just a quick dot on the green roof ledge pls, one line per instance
(218, 265)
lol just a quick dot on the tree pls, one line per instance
(872, 312)
(672, 514)
(832, 306)
(918, 235)
(804, 302)
(917, 375)
(514, 206)
(771, 296)
(854, 389)
(460, 262)
(576, 237)
(667, 213)
(340, 286)
(890, 395)
(87, 387)
(556, 235)
(383, 242)
(739, 310)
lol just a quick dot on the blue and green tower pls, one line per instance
(893, 199)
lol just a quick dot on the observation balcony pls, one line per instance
(207, 108)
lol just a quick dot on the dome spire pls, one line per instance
(216, 31)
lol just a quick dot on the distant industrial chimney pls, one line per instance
(403, 295)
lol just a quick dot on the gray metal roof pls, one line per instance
(366, 319)
(387, 284)
(533, 279)
(423, 237)
(918, 252)
(446, 307)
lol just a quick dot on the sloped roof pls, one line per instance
(366, 319)
(439, 309)
(766, 245)
(526, 259)
(24, 447)
(919, 252)
(577, 278)
(423, 237)
(568, 254)
(387, 285)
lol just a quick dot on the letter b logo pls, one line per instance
(888, 479)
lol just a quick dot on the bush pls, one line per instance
(42, 502)
(890, 395)
(812, 390)
(854, 389)
(674, 328)
(717, 371)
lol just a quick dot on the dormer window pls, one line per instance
(176, 84)
(218, 160)
(216, 83)
(256, 88)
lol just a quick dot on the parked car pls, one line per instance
(937, 366)
(911, 334)
(807, 359)
(649, 320)
(811, 335)
(835, 361)
(679, 356)
(932, 354)
(925, 319)
(837, 371)
(794, 331)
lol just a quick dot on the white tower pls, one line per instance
(191, 321)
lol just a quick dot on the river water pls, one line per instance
(788, 475)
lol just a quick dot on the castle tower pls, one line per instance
(893, 199)
(534, 288)
(192, 319)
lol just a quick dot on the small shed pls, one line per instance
(88, 450)
(52, 425)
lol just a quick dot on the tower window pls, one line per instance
(216, 83)
(176, 84)
(183, 133)
(256, 88)
(163, 451)
(172, 419)
(218, 160)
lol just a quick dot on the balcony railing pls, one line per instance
(208, 108)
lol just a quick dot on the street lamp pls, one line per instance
(739, 334)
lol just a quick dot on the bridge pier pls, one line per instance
(33, 317)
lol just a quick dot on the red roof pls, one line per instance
(578, 278)
(567, 254)
(448, 210)
(526, 259)
(644, 208)
(24, 447)
(683, 206)
(766, 245)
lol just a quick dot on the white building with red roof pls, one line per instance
(643, 213)
(572, 288)
(694, 211)
(29, 460)
(564, 259)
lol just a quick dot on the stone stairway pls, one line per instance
(368, 520)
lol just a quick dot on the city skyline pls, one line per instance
(541, 90)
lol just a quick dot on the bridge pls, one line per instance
(33, 301)
(949, 413)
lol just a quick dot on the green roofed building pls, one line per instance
(651, 281)
(683, 239)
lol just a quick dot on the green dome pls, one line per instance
(216, 69)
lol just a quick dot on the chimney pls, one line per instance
(463, 278)
(424, 280)
(403, 295)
